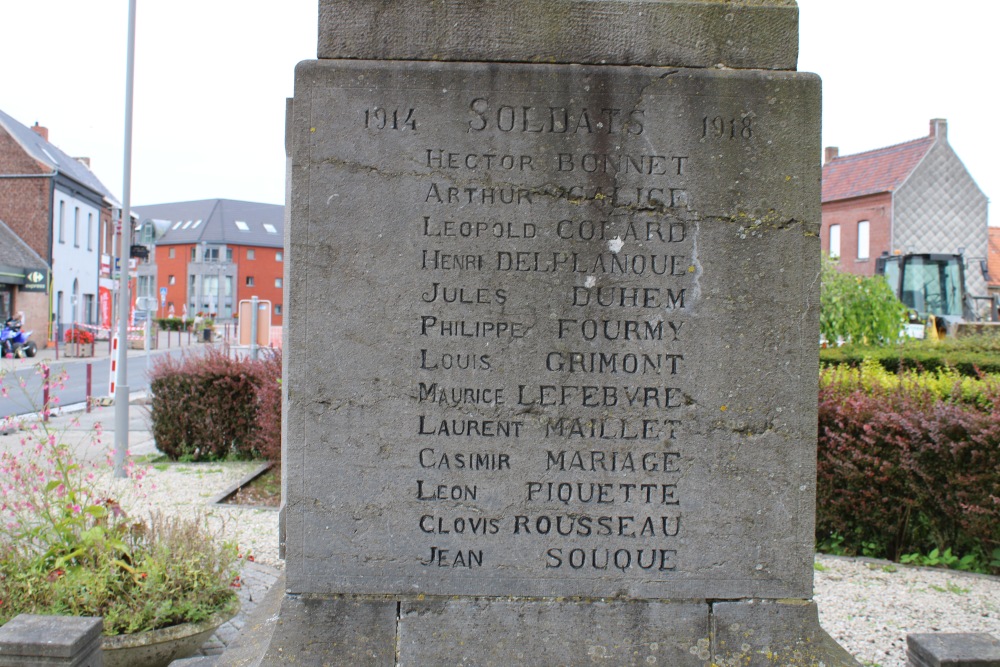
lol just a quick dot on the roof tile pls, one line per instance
(872, 172)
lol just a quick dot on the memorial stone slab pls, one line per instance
(760, 34)
(30, 640)
(551, 367)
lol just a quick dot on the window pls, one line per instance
(171, 253)
(62, 221)
(277, 282)
(145, 286)
(277, 309)
(270, 229)
(279, 257)
(229, 254)
(76, 226)
(249, 281)
(210, 285)
(172, 280)
(834, 241)
(192, 254)
(88, 308)
(191, 284)
(251, 254)
(863, 240)
(242, 226)
(90, 231)
(211, 254)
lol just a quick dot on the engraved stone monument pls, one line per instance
(552, 327)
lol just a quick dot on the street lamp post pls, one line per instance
(121, 388)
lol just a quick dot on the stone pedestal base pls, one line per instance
(313, 630)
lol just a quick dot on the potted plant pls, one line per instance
(79, 343)
(74, 541)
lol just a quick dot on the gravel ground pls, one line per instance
(867, 605)
(186, 489)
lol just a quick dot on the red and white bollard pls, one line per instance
(113, 376)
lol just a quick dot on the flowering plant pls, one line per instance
(69, 544)
(75, 335)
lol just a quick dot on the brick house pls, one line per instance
(994, 262)
(914, 197)
(23, 281)
(62, 211)
(209, 255)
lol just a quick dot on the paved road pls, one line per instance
(28, 399)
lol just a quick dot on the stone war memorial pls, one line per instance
(553, 317)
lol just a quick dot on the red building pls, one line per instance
(206, 256)
(913, 197)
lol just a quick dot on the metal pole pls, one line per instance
(253, 327)
(90, 378)
(121, 388)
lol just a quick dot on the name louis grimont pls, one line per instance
(483, 428)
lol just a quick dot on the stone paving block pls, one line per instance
(64, 641)
(952, 649)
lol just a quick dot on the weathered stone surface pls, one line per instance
(763, 633)
(35, 641)
(631, 339)
(501, 633)
(753, 34)
(952, 649)
(330, 631)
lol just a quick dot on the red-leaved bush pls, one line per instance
(209, 407)
(901, 470)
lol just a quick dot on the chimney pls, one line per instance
(85, 161)
(830, 154)
(939, 128)
(43, 132)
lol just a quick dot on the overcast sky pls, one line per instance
(212, 77)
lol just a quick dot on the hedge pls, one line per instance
(969, 356)
(905, 467)
(211, 407)
(171, 324)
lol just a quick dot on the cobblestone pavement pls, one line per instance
(256, 579)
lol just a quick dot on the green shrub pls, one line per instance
(967, 356)
(908, 466)
(860, 309)
(212, 407)
(171, 324)
(68, 544)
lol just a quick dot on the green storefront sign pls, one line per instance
(35, 281)
(28, 280)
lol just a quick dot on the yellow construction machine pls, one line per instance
(932, 287)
